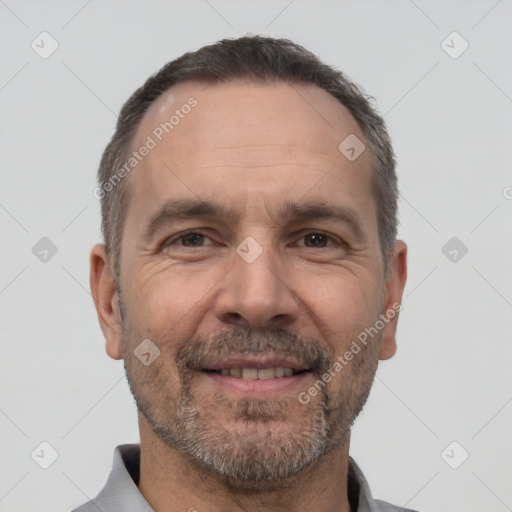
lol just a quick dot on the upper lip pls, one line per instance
(258, 361)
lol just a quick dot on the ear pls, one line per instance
(106, 301)
(394, 288)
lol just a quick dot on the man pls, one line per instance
(250, 280)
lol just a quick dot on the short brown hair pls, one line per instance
(260, 59)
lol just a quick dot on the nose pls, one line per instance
(257, 294)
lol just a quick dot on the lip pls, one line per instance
(257, 361)
(247, 388)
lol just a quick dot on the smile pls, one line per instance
(257, 373)
(265, 375)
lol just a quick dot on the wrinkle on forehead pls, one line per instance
(253, 156)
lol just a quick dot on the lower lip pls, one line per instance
(258, 387)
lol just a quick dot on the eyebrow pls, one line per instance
(178, 209)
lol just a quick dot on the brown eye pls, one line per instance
(316, 240)
(192, 239)
(188, 240)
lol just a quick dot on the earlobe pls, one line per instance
(113, 342)
(395, 285)
(103, 289)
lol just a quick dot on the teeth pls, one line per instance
(267, 373)
(260, 374)
(235, 372)
(250, 373)
(279, 372)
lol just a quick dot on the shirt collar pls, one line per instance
(121, 492)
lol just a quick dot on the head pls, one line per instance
(242, 238)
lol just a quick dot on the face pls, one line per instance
(250, 259)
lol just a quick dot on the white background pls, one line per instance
(451, 124)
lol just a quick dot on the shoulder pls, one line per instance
(90, 506)
(120, 493)
(357, 485)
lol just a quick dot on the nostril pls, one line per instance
(232, 318)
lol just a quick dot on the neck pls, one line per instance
(170, 482)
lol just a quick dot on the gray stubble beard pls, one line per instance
(270, 453)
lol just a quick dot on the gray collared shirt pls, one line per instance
(121, 494)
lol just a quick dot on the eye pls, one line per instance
(316, 239)
(190, 239)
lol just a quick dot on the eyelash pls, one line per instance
(170, 241)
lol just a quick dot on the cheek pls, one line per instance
(169, 302)
(342, 306)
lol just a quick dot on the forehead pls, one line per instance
(243, 114)
(241, 135)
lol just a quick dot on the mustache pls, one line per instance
(198, 352)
